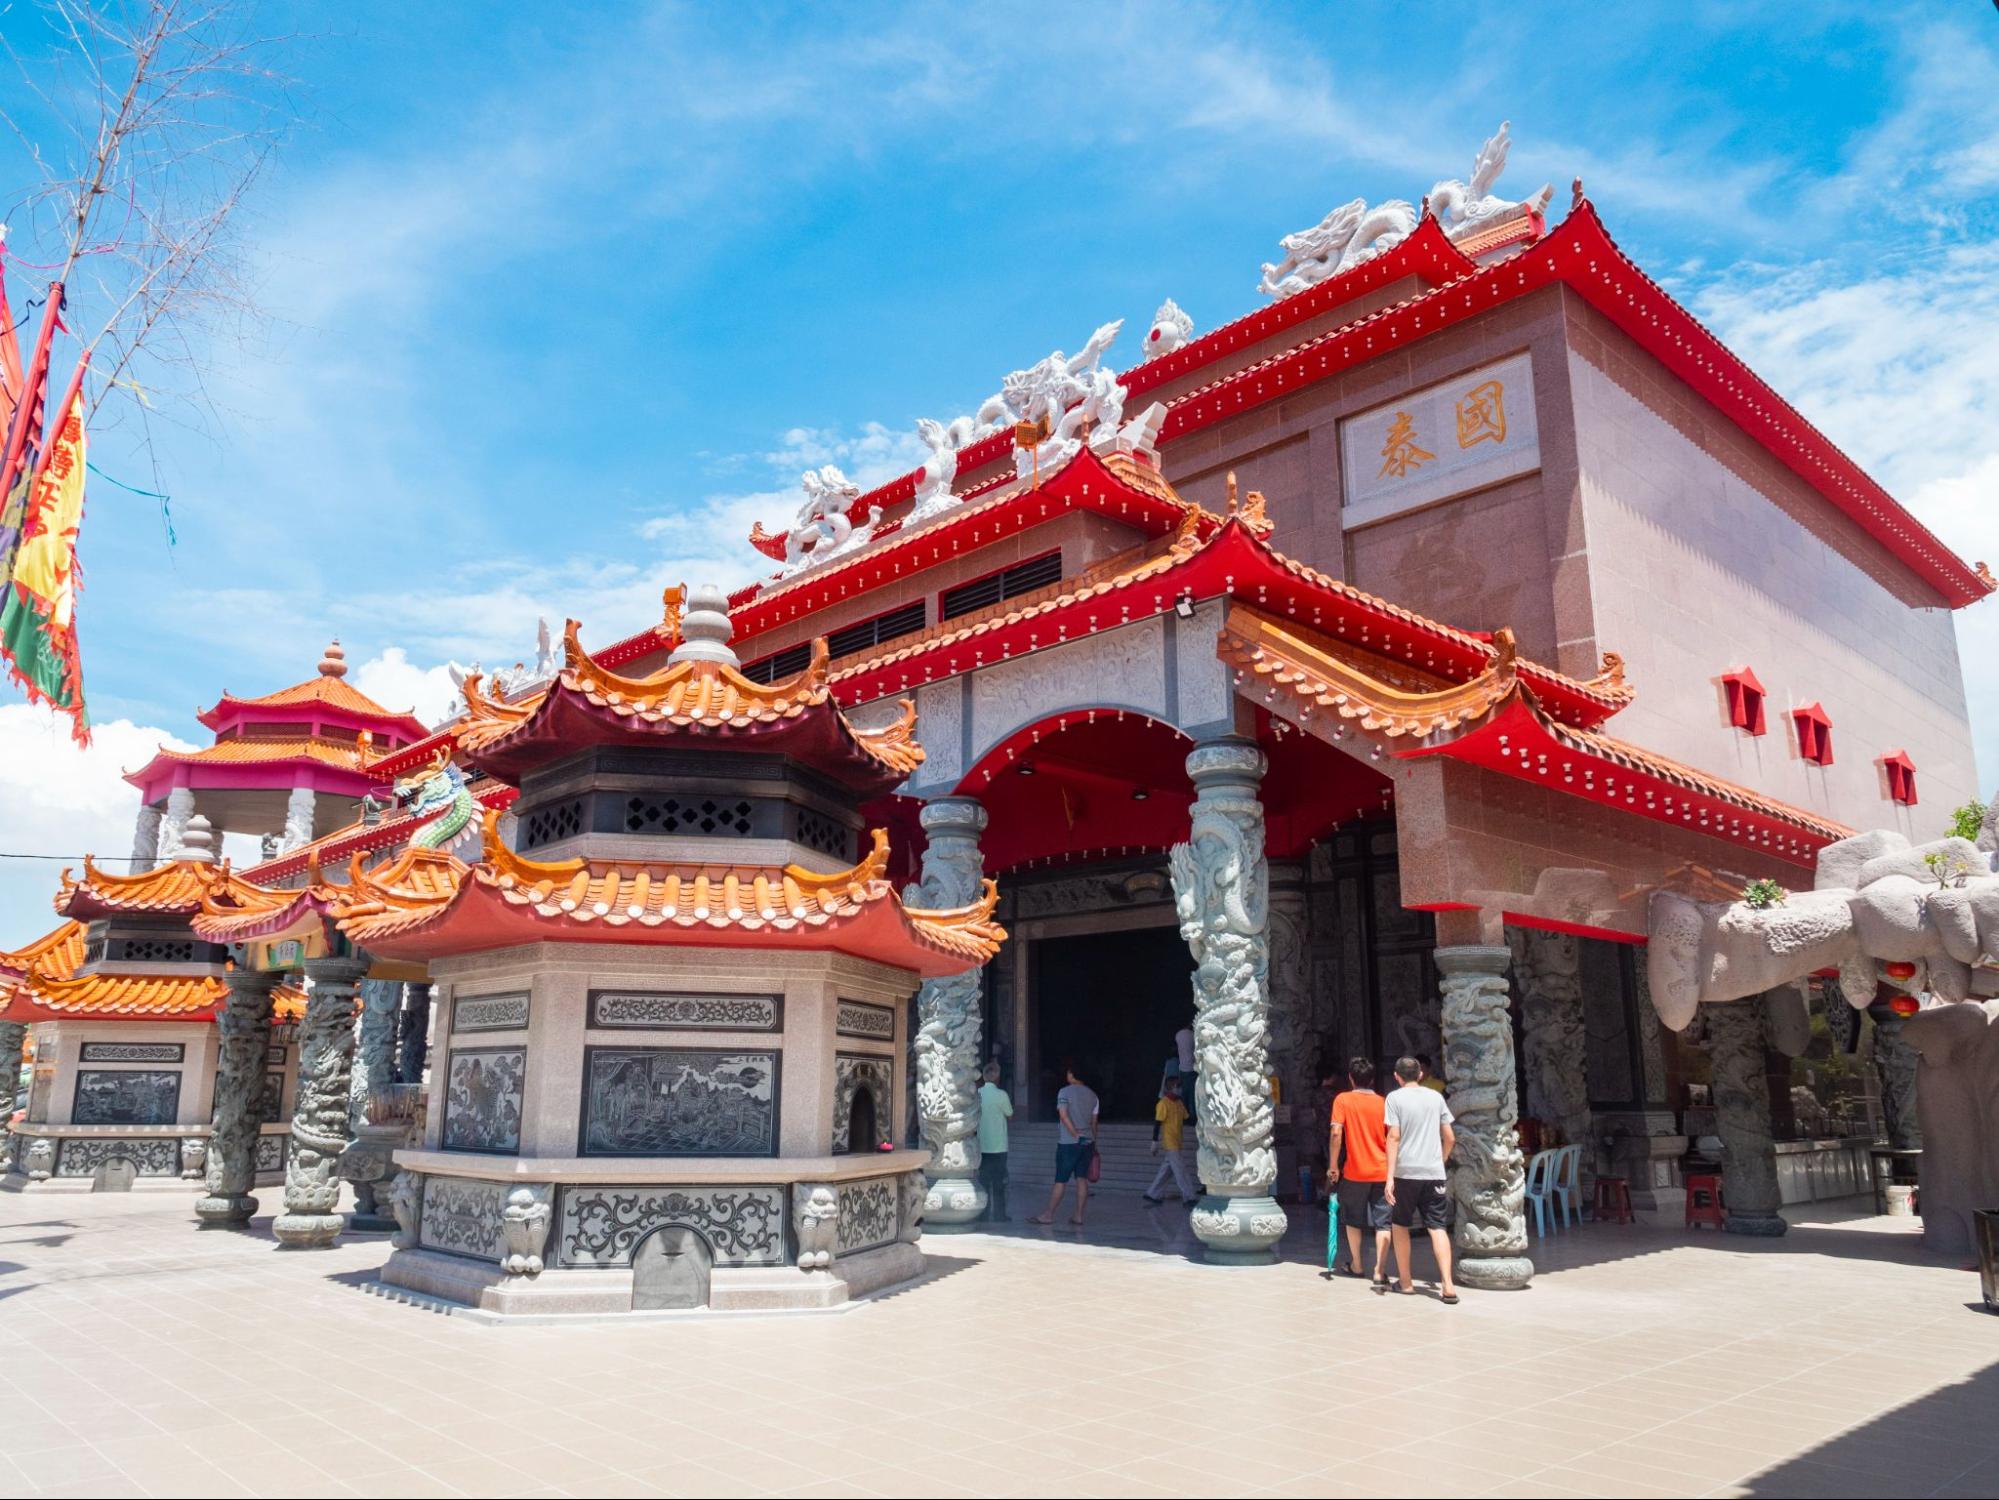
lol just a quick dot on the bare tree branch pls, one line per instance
(147, 122)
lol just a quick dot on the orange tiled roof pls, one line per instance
(686, 694)
(394, 825)
(332, 692)
(343, 754)
(140, 997)
(613, 899)
(56, 953)
(175, 888)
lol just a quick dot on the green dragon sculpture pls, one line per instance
(437, 789)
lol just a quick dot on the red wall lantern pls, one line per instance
(1901, 971)
(1904, 1005)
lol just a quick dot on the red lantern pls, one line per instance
(1901, 970)
(1904, 1005)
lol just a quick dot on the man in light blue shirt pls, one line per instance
(995, 1109)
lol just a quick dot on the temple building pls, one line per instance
(120, 1005)
(288, 767)
(1349, 679)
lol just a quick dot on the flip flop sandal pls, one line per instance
(1449, 1299)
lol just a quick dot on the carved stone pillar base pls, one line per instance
(307, 1231)
(1239, 1231)
(1767, 1225)
(954, 1199)
(224, 1210)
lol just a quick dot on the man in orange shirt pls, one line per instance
(1362, 1185)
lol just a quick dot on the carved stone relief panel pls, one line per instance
(851, 1073)
(127, 1097)
(679, 1101)
(462, 1216)
(940, 725)
(490, 1013)
(482, 1099)
(1412, 1014)
(643, 1010)
(874, 1023)
(601, 1226)
(1123, 668)
(134, 1052)
(1206, 694)
(867, 1214)
(271, 1152)
(155, 1157)
(272, 1105)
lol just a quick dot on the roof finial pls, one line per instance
(1575, 195)
(1233, 503)
(334, 663)
(705, 628)
(197, 841)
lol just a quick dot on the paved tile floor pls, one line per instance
(141, 1357)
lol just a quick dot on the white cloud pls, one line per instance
(397, 683)
(61, 800)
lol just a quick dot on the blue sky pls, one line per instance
(559, 299)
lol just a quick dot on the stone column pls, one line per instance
(375, 1045)
(13, 1043)
(413, 1046)
(245, 1027)
(180, 808)
(1742, 1116)
(146, 839)
(948, 1022)
(1221, 886)
(1895, 1064)
(320, 1130)
(1290, 986)
(1554, 1038)
(298, 819)
(1489, 1174)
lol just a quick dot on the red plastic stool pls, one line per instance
(1613, 1201)
(1704, 1202)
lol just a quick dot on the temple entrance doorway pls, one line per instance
(1112, 1001)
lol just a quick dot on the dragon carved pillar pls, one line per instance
(948, 1021)
(320, 1129)
(231, 1170)
(1488, 1173)
(1221, 888)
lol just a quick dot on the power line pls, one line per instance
(96, 859)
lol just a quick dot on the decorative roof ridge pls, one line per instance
(396, 882)
(364, 837)
(1283, 653)
(174, 888)
(582, 673)
(60, 948)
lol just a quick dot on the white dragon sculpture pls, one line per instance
(1348, 235)
(1464, 208)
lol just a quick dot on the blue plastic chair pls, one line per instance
(1539, 1166)
(1566, 1178)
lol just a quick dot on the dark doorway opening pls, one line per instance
(861, 1136)
(1111, 1001)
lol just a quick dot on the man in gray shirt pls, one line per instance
(1076, 1108)
(1420, 1140)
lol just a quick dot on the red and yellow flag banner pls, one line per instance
(38, 602)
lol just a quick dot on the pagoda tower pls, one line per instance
(289, 766)
(674, 1022)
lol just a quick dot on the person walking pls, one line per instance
(1420, 1141)
(1359, 1126)
(1076, 1110)
(995, 1109)
(1169, 1121)
(1183, 1052)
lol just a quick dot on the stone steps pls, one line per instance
(1128, 1162)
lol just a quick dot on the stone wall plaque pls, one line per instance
(126, 1097)
(1445, 440)
(461, 1216)
(679, 1101)
(602, 1226)
(647, 1010)
(155, 1156)
(490, 1013)
(851, 1073)
(271, 1152)
(274, 1055)
(482, 1099)
(867, 1215)
(134, 1052)
(874, 1023)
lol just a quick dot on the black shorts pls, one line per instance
(1073, 1160)
(1363, 1204)
(1421, 1201)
